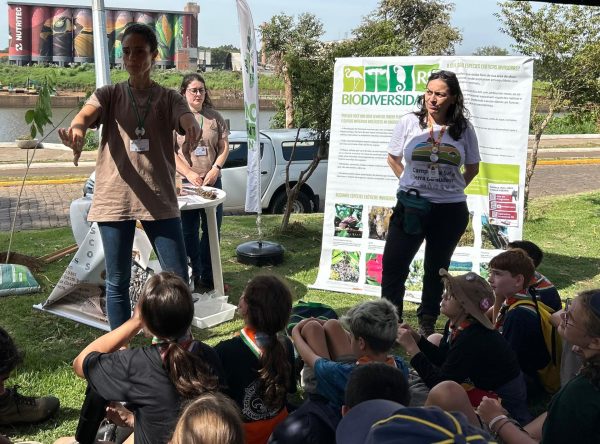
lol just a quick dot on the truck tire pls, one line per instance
(301, 204)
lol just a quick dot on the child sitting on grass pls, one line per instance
(325, 345)
(153, 380)
(574, 411)
(333, 353)
(258, 363)
(212, 418)
(544, 290)
(520, 324)
(14, 407)
(470, 352)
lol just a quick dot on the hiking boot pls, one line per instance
(427, 325)
(16, 408)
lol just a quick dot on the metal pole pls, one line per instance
(100, 44)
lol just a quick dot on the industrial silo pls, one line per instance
(62, 35)
(19, 31)
(83, 37)
(41, 34)
(122, 19)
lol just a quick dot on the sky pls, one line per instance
(218, 24)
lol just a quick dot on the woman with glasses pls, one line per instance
(208, 158)
(135, 168)
(427, 152)
(574, 412)
(570, 360)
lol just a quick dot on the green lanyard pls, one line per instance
(139, 131)
(201, 120)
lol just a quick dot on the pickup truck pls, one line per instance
(276, 148)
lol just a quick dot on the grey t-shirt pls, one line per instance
(137, 376)
(413, 144)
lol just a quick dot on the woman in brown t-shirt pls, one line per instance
(207, 160)
(135, 168)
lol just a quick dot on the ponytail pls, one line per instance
(190, 374)
(269, 304)
(275, 372)
(167, 308)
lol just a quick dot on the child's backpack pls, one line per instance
(549, 375)
(305, 310)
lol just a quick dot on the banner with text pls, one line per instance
(250, 81)
(369, 97)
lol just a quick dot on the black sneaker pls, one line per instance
(18, 409)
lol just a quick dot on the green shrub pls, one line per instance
(91, 141)
(585, 122)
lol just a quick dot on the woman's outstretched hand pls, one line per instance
(74, 138)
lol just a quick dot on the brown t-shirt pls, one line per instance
(136, 185)
(214, 129)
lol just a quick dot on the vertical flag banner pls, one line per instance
(250, 80)
(369, 97)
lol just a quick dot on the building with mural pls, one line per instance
(58, 34)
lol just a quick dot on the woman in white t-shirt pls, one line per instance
(428, 151)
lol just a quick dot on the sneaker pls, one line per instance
(16, 408)
(427, 325)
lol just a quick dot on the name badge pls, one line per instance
(434, 171)
(200, 150)
(139, 145)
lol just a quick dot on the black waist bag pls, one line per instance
(415, 209)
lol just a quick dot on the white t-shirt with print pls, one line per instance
(412, 143)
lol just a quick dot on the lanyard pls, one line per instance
(139, 131)
(201, 120)
(435, 144)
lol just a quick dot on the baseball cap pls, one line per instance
(380, 421)
(473, 292)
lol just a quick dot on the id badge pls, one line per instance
(200, 150)
(434, 171)
(139, 145)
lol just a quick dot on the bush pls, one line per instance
(91, 141)
(585, 122)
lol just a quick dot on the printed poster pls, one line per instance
(369, 97)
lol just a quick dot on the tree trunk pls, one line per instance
(292, 192)
(289, 97)
(533, 157)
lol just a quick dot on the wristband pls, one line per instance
(219, 167)
(497, 433)
(495, 420)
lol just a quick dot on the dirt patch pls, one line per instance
(34, 264)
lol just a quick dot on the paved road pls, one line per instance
(47, 206)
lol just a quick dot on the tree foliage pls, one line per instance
(218, 55)
(564, 41)
(491, 50)
(407, 27)
(41, 114)
(285, 39)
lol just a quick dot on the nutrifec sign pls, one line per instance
(369, 97)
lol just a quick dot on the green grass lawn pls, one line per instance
(567, 229)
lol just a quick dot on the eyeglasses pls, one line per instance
(196, 91)
(566, 316)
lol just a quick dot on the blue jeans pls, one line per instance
(197, 247)
(166, 238)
